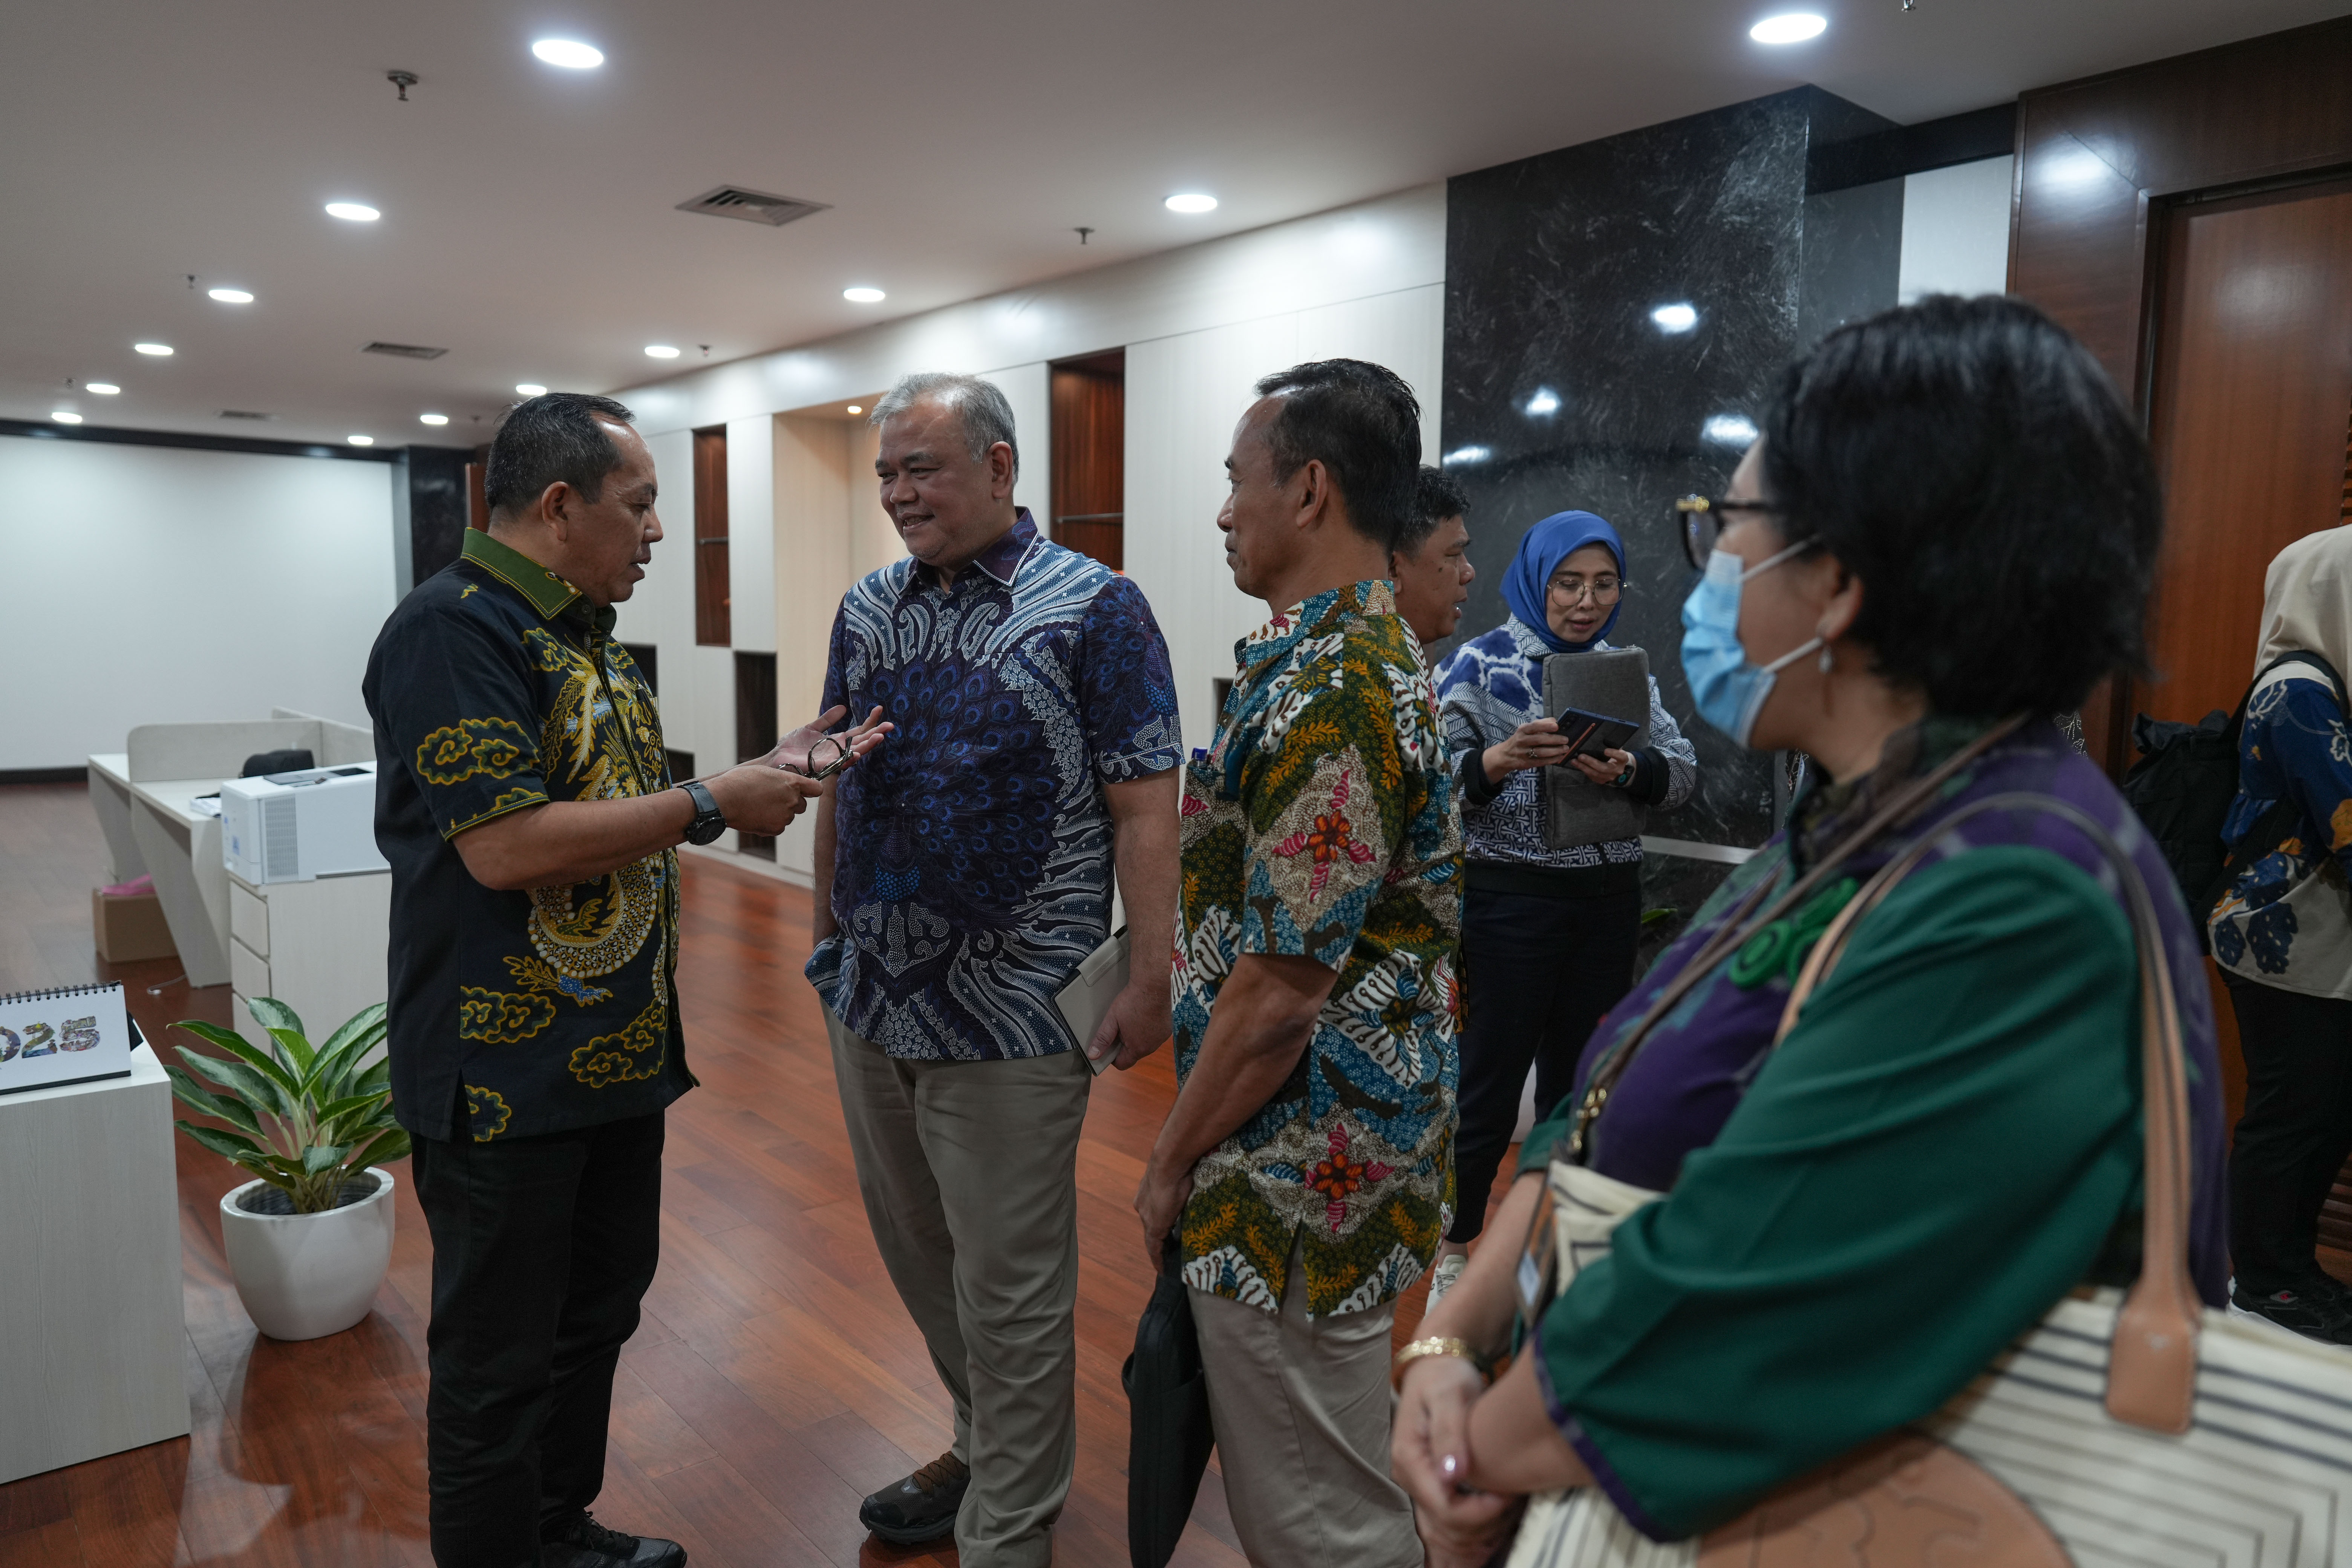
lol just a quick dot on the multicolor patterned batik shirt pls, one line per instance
(1321, 822)
(495, 687)
(973, 872)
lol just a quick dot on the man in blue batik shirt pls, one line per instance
(966, 877)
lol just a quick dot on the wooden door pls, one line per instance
(1090, 398)
(2248, 412)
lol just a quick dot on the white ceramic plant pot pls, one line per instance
(303, 1276)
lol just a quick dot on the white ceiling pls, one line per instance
(528, 223)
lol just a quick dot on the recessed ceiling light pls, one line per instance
(1675, 318)
(569, 53)
(863, 296)
(65, 416)
(231, 296)
(361, 440)
(1792, 28)
(531, 389)
(103, 388)
(1730, 429)
(1193, 201)
(856, 408)
(433, 419)
(1461, 455)
(161, 350)
(1545, 401)
(352, 211)
(660, 351)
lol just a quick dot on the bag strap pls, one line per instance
(1743, 922)
(2152, 1361)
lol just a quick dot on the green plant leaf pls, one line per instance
(371, 1016)
(196, 1096)
(249, 1083)
(335, 1109)
(237, 1047)
(273, 1014)
(390, 1146)
(228, 1145)
(337, 1061)
(299, 1054)
(321, 1157)
(377, 1080)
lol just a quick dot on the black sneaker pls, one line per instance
(582, 1542)
(920, 1508)
(2314, 1311)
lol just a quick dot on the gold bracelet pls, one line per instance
(1417, 1349)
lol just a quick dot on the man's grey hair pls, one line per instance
(987, 416)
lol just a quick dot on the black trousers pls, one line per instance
(1537, 973)
(541, 1251)
(2295, 1134)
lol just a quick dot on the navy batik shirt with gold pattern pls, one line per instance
(494, 687)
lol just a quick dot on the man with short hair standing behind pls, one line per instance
(1430, 562)
(963, 875)
(1307, 1159)
(524, 800)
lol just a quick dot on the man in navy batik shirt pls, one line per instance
(969, 870)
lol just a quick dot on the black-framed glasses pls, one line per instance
(827, 755)
(1604, 590)
(1703, 519)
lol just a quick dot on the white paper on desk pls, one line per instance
(1085, 1001)
(50, 1038)
(206, 805)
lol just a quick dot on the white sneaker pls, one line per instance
(1449, 1269)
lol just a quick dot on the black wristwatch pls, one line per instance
(708, 822)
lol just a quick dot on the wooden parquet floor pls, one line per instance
(775, 1380)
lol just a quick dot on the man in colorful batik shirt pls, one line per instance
(966, 872)
(1307, 1162)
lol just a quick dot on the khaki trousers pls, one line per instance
(969, 1171)
(1301, 1409)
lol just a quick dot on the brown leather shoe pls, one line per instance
(920, 1508)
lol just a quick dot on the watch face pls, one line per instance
(705, 829)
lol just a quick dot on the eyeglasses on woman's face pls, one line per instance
(1703, 519)
(1573, 587)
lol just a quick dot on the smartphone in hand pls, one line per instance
(1592, 734)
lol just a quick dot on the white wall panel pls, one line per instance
(1027, 388)
(1955, 230)
(155, 584)
(752, 538)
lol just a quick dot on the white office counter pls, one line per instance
(89, 1272)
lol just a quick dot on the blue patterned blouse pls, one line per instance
(973, 866)
(2285, 921)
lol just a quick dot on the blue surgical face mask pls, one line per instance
(1729, 688)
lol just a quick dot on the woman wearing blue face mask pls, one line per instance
(1830, 1224)
(1549, 929)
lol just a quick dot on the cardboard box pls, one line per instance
(130, 929)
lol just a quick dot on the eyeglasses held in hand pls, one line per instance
(1703, 519)
(826, 756)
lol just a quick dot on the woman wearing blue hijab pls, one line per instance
(1548, 934)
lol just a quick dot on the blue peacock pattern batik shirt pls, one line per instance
(972, 868)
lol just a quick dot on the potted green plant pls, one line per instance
(310, 1237)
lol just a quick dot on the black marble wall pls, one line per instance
(428, 492)
(1564, 389)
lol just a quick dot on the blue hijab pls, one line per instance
(1526, 586)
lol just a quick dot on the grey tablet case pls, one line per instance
(1615, 681)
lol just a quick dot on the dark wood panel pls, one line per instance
(2099, 161)
(755, 728)
(2252, 380)
(1089, 489)
(713, 618)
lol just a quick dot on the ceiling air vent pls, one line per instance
(752, 206)
(244, 414)
(404, 351)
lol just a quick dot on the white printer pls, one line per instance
(292, 827)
